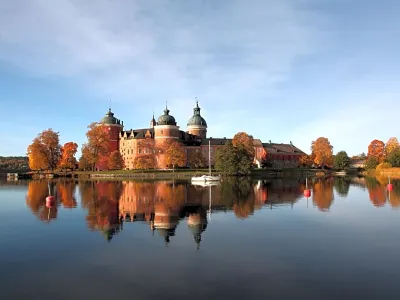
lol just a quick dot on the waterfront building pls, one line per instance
(145, 142)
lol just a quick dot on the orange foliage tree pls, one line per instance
(147, 157)
(306, 161)
(391, 145)
(115, 161)
(376, 149)
(244, 141)
(197, 160)
(68, 160)
(97, 145)
(322, 151)
(44, 152)
(174, 154)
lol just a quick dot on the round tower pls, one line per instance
(196, 124)
(113, 126)
(166, 127)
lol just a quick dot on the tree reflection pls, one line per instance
(101, 201)
(38, 190)
(376, 191)
(66, 191)
(323, 193)
(342, 186)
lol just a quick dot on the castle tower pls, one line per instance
(113, 127)
(196, 124)
(165, 130)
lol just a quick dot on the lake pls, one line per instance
(241, 239)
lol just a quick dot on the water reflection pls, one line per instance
(164, 204)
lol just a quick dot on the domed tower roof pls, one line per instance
(166, 119)
(109, 119)
(197, 119)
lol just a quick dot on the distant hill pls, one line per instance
(13, 163)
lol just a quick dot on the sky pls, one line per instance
(280, 70)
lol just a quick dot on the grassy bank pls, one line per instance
(392, 172)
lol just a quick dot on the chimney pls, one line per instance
(270, 142)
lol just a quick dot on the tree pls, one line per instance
(376, 149)
(231, 160)
(307, 161)
(322, 152)
(68, 160)
(371, 163)
(84, 164)
(394, 158)
(37, 159)
(45, 150)
(174, 154)
(115, 162)
(245, 141)
(341, 160)
(391, 145)
(144, 162)
(147, 160)
(97, 145)
(197, 160)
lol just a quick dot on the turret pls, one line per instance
(196, 124)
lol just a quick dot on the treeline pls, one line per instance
(383, 156)
(13, 163)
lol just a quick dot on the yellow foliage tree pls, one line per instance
(44, 153)
(322, 151)
(197, 160)
(391, 145)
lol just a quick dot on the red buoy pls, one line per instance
(307, 193)
(389, 187)
(50, 200)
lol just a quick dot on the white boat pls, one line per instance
(209, 177)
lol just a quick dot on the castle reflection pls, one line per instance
(164, 205)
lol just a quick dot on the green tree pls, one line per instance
(341, 160)
(197, 160)
(394, 158)
(371, 163)
(232, 160)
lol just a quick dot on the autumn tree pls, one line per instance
(45, 151)
(174, 154)
(147, 158)
(245, 141)
(391, 145)
(115, 161)
(97, 144)
(37, 160)
(306, 161)
(376, 149)
(68, 160)
(371, 163)
(341, 160)
(322, 152)
(197, 160)
(84, 163)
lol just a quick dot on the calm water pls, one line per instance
(169, 240)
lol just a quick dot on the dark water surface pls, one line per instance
(172, 240)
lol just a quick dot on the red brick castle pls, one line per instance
(136, 142)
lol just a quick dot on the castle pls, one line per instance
(135, 143)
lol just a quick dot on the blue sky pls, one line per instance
(281, 70)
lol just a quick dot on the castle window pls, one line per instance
(139, 151)
(162, 132)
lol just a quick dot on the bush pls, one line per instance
(371, 163)
(384, 165)
(394, 158)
